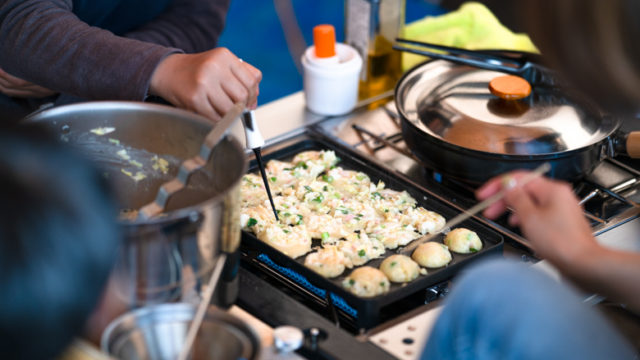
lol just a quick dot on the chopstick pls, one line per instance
(478, 59)
(479, 54)
(542, 169)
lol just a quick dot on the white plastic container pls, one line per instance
(331, 84)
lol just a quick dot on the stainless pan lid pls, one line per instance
(453, 103)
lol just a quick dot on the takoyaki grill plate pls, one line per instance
(363, 310)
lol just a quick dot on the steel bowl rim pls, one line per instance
(131, 320)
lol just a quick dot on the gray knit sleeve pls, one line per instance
(190, 25)
(42, 41)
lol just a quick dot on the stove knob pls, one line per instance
(431, 294)
(314, 333)
(287, 338)
(315, 336)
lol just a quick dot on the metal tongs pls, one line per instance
(517, 64)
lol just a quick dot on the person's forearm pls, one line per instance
(612, 273)
(45, 43)
(190, 25)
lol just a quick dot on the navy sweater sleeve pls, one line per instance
(42, 41)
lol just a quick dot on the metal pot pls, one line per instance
(162, 259)
(158, 333)
(454, 125)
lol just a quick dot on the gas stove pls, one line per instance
(610, 197)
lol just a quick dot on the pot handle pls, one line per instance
(632, 144)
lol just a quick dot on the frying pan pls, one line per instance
(454, 125)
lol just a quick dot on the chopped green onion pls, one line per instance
(251, 222)
(377, 195)
(473, 250)
(394, 263)
(273, 179)
(362, 253)
(325, 236)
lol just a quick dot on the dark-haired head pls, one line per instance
(57, 242)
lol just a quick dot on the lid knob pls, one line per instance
(510, 87)
(324, 40)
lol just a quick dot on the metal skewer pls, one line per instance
(542, 169)
(255, 141)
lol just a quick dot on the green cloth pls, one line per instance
(473, 26)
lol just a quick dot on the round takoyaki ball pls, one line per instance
(366, 281)
(328, 261)
(463, 241)
(400, 268)
(432, 255)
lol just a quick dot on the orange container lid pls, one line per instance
(510, 87)
(324, 40)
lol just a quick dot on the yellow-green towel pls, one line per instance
(473, 26)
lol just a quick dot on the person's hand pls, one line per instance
(207, 83)
(16, 87)
(548, 214)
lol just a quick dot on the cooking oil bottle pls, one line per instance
(371, 27)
